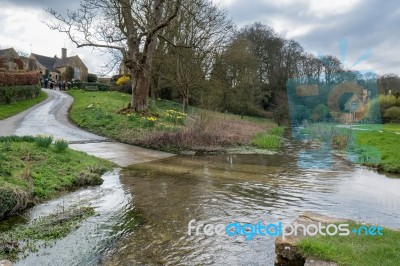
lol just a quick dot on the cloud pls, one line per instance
(319, 24)
(316, 24)
(60, 6)
(24, 27)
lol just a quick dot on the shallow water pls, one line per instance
(85, 245)
(244, 188)
(142, 213)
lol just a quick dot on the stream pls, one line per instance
(164, 195)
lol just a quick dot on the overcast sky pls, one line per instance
(366, 25)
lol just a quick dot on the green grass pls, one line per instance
(266, 141)
(376, 145)
(30, 174)
(355, 250)
(7, 110)
(99, 112)
(163, 126)
(380, 149)
(270, 140)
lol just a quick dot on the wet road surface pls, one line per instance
(51, 118)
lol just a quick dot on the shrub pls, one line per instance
(281, 115)
(23, 78)
(82, 85)
(340, 142)
(387, 101)
(92, 78)
(122, 80)
(392, 114)
(10, 94)
(320, 113)
(44, 141)
(61, 145)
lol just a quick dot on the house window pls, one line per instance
(354, 106)
(77, 73)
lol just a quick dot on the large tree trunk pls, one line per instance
(140, 91)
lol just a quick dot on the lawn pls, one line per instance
(383, 144)
(32, 170)
(7, 110)
(164, 126)
(363, 250)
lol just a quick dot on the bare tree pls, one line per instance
(199, 31)
(131, 27)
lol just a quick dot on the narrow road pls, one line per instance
(51, 118)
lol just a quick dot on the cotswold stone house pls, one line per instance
(59, 69)
(10, 60)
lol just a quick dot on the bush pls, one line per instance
(82, 85)
(122, 80)
(387, 101)
(392, 114)
(44, 141)
(61, 145)
(9, 94)
(92, 78)
(281, 115)
(19, 78)
(125, 88)
(320, 113)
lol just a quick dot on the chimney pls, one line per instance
(63, 53)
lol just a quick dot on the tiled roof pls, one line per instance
(63, 61)
(3, 51)
(47, 62)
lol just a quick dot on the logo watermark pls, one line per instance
(327, 102)
(250, 231)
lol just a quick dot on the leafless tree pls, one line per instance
(129, 26)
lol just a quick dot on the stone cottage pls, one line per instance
(59, 69)
(10, 60)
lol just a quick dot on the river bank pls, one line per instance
(164, 127)
(353, 243)
(33, 170)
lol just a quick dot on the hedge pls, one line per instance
(19, 78)
(10, 94)
(82, 85)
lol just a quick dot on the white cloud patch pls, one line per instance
(24, 27)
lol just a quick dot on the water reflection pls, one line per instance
(243, 188)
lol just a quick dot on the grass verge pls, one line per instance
(23, 239)
(380, 148)
(32, 170)
(375, 145)
(353, 249)
(163, 127)
(7, 110)
(270, 140)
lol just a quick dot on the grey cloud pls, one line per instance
(371, 24)
(58, 5)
